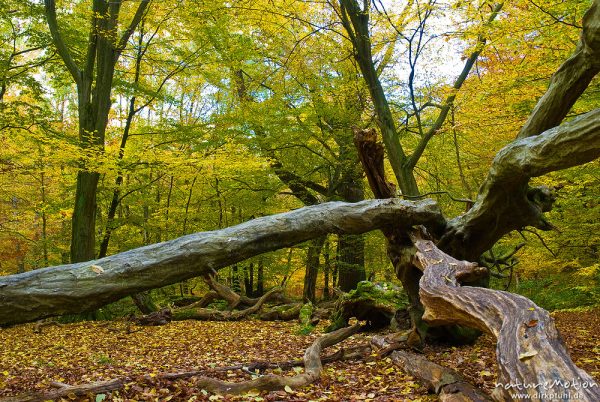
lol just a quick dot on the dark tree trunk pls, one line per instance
(84, 217)
(350, 261)
(260, 278)
(235, 279)
(326, 270)
(313, 255)
(249, 280)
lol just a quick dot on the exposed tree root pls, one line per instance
(530, 350)
(187, 313)
(313, 364)
(447, 383)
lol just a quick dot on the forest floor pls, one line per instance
(93, 351)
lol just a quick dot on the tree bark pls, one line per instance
(313, 255)
(530, 350)
(82, 287)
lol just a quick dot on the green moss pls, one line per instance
(305, 316)
(374, 302)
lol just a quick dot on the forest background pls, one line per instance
(225, 111)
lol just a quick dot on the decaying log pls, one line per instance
(529, 348)
(375, 303)
(313, 365)
(192, 313)
(79, 287)
(447, 383)
(284, 312)
(156, 318)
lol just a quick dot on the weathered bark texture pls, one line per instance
(313, 255)
(530, 350)
(84, 286)
(505, 201)
(447, 383)
(399, 245)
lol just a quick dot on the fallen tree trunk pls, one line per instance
(232, 298)
(532, 358)
(284, 312)
(79, 287)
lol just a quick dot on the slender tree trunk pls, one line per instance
(312, 269)
(326, 270)
(260, 279)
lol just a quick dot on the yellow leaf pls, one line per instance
(288, 389)
(97, 269)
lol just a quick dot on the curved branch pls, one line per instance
(532, 359)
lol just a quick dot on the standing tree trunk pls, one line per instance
(326, 270)
(350, 261)
(313, 255)
(260, 278)
(94, 86)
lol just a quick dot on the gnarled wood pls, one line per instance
(530, 350)
(80, 287)
(187, 313)
(441, 380)
(505, 201)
